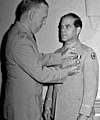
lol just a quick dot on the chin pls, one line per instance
(64, 40)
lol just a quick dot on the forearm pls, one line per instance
(51, 59)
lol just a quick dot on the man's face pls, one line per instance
(39, 18)
(68, 31)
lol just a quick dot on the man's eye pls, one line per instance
(67, 26)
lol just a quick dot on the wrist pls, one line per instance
(64, 73)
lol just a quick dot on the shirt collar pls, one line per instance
(75, 45)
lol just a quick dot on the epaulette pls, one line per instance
(87, 49)
(22, 34)
(90, 49)
(84, 47)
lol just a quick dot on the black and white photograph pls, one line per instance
(49, 59)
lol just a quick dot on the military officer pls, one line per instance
(74, 99)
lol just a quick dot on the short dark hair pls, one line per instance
(77, 22)
(26, 5)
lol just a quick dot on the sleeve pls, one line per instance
(51, 59)
(91, 73)
(27, 58)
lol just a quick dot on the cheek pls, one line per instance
(39, 22)
(72, 33)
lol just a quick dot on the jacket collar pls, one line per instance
(25, 30)
(76, 45)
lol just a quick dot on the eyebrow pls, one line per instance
(67, 25)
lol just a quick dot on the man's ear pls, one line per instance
(78, 30)
(31, 15)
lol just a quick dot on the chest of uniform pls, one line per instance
(75, 82)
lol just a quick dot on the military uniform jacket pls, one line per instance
(77, 94)
(25, 72)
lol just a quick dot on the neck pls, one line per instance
(71, 43)
(25, 24)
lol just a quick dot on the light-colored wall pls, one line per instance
(47, 38)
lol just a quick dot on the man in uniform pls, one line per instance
(75, 98)
(22, 64)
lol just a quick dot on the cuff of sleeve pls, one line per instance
(63, 73)
(86, 110)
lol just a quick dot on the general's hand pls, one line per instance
(69, 61)
(74, 68)
(47, 114)
(82, 117)
(70, 70)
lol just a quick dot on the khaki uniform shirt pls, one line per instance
(25, 72)
(78, 93)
